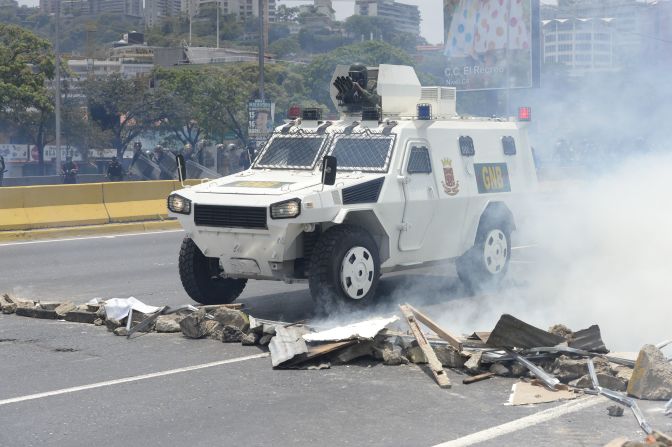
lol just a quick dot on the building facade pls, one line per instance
(157, 10)
(594, 35)
(406, 18)
(130, 8)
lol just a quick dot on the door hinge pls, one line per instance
(404, 226)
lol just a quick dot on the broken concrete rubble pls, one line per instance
(77, 316)
(566, 368)
(192, 325)
(473, 365)
(36, 312)
(9, 308)
(168, 323)
(605, 380)
(231, 317)
(63, 309)
(231, 334)
(561, 330)
(500, 370)
(250, 339)
(615, 411)
(652, 376)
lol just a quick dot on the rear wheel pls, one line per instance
(344, 269)
(484, 265)
(201, 277)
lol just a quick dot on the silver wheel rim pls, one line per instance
(495, 251)
(357, 271)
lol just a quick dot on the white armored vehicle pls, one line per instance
(399, 181)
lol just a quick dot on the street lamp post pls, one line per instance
(261, 49)
(57, 50)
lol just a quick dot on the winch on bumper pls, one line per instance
(270, 240)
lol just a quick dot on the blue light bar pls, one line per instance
(424, 111)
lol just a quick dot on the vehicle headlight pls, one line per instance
(286, 209)
(179, 204)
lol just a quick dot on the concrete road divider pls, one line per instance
(53, 206)
(12, 212)
(136, 201)
(64, 205)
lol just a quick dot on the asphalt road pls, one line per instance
(71, 384)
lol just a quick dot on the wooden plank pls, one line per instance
(434, 363)
(443, 334)
(477, 378)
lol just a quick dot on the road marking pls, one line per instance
(83, 238)
(169, 372)
(520, 247)
(523, 423)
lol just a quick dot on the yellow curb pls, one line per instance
(89, 230)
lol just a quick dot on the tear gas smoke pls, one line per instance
(603, 234)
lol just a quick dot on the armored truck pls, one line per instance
(399, 181)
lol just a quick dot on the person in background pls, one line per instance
(69, 171)
(2, 169)
(244, 160)
(115, 172)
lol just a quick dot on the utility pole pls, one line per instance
(217, 23)
(261, 49)
(57, 50)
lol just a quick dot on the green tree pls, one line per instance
(320, 70)
(123, 108)
(179, 100)
(285, 47)
(283, 13)
(26, 63)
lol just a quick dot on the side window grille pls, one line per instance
(418, 161)
(509, 145)
(467, 147)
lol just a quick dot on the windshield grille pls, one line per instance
(363, 152)
(291, 152)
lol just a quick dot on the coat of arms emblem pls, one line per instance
(450, 185)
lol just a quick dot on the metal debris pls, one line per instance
(511, 332)
(620, 398)
(589, 339)
(550, 381)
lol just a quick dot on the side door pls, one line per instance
(420, 195)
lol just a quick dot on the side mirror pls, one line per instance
(329, 167)
(181, 168)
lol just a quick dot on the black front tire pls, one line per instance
(326, 264)
(473, 266)
(201, 280)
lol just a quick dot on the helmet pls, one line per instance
(230, 146)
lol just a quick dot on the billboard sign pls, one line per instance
(491, 44)
(260, 118)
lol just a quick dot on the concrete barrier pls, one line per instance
(64, 205)
(136, 201)
(12, 211)
(53, 206)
